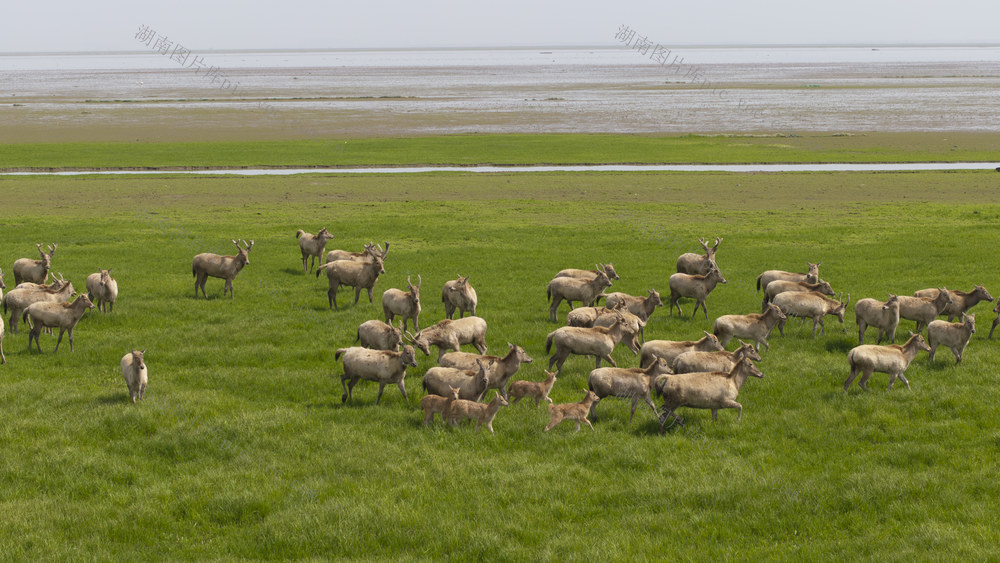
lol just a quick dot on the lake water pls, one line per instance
(343, 94)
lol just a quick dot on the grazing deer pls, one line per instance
(207, 265)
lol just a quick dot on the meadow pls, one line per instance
(243, 448)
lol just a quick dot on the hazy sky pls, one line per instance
(75, 25)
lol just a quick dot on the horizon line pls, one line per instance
(560, 47)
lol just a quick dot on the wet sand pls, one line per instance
(908, 100)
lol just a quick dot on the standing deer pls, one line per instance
(26, 269)
(207, 265)
(359, 275)
(406, 304)
(812, 276)
(458, 294)
(103, 290)
(62, 315)
(312, 246)
(573, 289)
(693, 263)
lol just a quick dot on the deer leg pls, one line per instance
(381, 388)
(556, 419)
(553, 310)
(577, 426)
(305, 258)
(3, 359)
(850, 378)
(609, 360)
(61, 331)
(996, 321)
(903, 377)
(370, 293)
(402, 389)
(357, 295)
(588, 424)
(635, 403)
(933, 349)
(958, 354)
(331, 294)
(866, 373)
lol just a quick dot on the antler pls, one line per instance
(718, 240)
(704, 243)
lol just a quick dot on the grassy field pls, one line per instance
(506, 149)
(243, 449)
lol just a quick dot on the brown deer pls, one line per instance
(207, 265)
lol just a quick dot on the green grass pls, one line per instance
(243, 449)
(501, 150)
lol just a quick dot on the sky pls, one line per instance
(111, 25)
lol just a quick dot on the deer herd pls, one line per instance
(683, 373)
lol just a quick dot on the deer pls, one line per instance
(471, 410)
(378, 335)
(694, 286)
(813, 305)
(405, 304)
(438, 404)
(450, 335)
(501, 369)
(778, 287)
(572, 289)
(312, 246)
(459, 295)
(953, 335)
(670, 349)
(597, 342)
(359, 275)
(577, 412)
(103, 290)
(961, 301)
(892, 359)
(693, 263)
(472, 383)
(811, 276)
(704, 390)
(883, 316)
(720, 360)
(381, 366)
(923, 310)
(369, 254)
(62, 315)
(135, 374)
(755, 326)
(18, 299)
(626, 383)
(207, 265)
(538, 390)
(36, 271)
(642, 307)
(608, 269)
